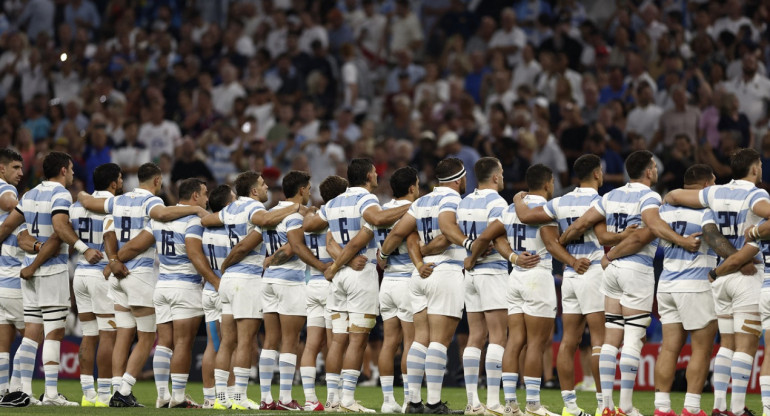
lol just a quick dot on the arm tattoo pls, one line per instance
(280, 257)
(717, 241)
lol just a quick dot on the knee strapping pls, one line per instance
(726, 325)
(51, 351)
(340, 322)
(612, 321)
(361, 322)
(107, 324)
(90, 328)
(747, 323)
(124, 319)
(317, 321)
(596, 351)
(635, 331)
(53, 319)
(146, 323)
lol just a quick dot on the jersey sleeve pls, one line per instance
(293, 222)
(8, 188)
(550, 207)
(150, 204)
(600, 205)
(194, 228)
(61, 202)
(109, 205)
(705, 196)
(150, 225)
(496, 207)
(649, 200)
(708, 217)
(498, 217)
(253, 209)
(322, 213)
(449, 204)
(366, 202)
(412, 210)
(757, 196)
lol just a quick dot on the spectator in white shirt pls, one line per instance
(159, 135)
(509, 39)
(224, 94)
(370, 34)
(637, 73)
(312, 31)
(130, 155)
(405, 29)
(527, 70)
(276, 38)
(501, 93)
(752, 90)
(322, 154)
(66, 82)
(644, 118)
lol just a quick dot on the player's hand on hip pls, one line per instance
(468, 264)
(581, 265)
(27, 272)
(692, 242)
(358, 263)
(426, 270)
(93, 256)
(527, 260)
(118, 269)
(748, 269)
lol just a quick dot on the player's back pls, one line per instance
(684, 270)
(216, 245)
(566, 209)
(732, 204)
(426, 211)
(237, 220)
(293, 270)
(622, 207)
(398, 265)
(344, 214)
(131, 214)
(316, 242)
(11, 255)
(89, 227)
(38, 205)
(523, 237)
(474, 214)
(175, 267)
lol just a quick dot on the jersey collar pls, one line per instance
(445, 190)
(142, 191)
(742, 183)
(102, 194)
(586, 190)
(637, 185)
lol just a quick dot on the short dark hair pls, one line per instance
(148, 171)
(188, 187)
(485, 167)
(54, 162)
(637, 162)
(585, 165)
(220, 197)
(741, 161)
(448, 167)
(9, 155)
(294, 180)
(244, 182)
(537, 176)
(698, 173)
(106, 174)
(401, 180)
(332, 186)
(358, 171)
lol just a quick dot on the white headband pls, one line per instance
(454, 177)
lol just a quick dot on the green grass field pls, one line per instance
(369, 396)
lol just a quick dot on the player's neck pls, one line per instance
(60, 180)
(485, 186)
(645, 182)
(186, 202)
(297, 199)
(540, 192)
(750, 178)
(590, 184)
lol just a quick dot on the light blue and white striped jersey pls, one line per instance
(237, 220)
(11, 255)
(523, 237)
(293, 270)
(215, 245)
(733, 205)
(131, 213)
(345, 216)
(316, 242)
(622, 207)
(176, 269)
(473, 214)
(566, 209)
(38, 206)
(89, 227)
(684, 271)
(425, 211)
(399, 265)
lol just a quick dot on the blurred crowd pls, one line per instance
(210, 88)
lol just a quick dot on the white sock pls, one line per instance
(510, 380)
(764, 385)
(220, 384)
(241, 382)
(87, 385)
(722, 363)
(607, 361)
(287, 363)
(415, 370)
(570, 401)
(209, 393)
(629, 366)
(116, 382)
(103, 386)
(51, 351)
(349, 382)
(5, 365)
(599, 402)
(178, 385)
(267, 361)
(161, 368)
(332, 386)
(692, 403)
(663, 401)
(308, 383)
(26, 355)
(471, 364)
(533, 391)
(494, 368)
(230, 391)
(387, 389)
(741, 373)
(435, 366)
(127, 384)
(406, 387)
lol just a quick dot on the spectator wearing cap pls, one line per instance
(130, 154)
(405, 29)
(644, 118)
(752, 90)
(99, 150)
(682, 120)
(449, 144)
(509, 39)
